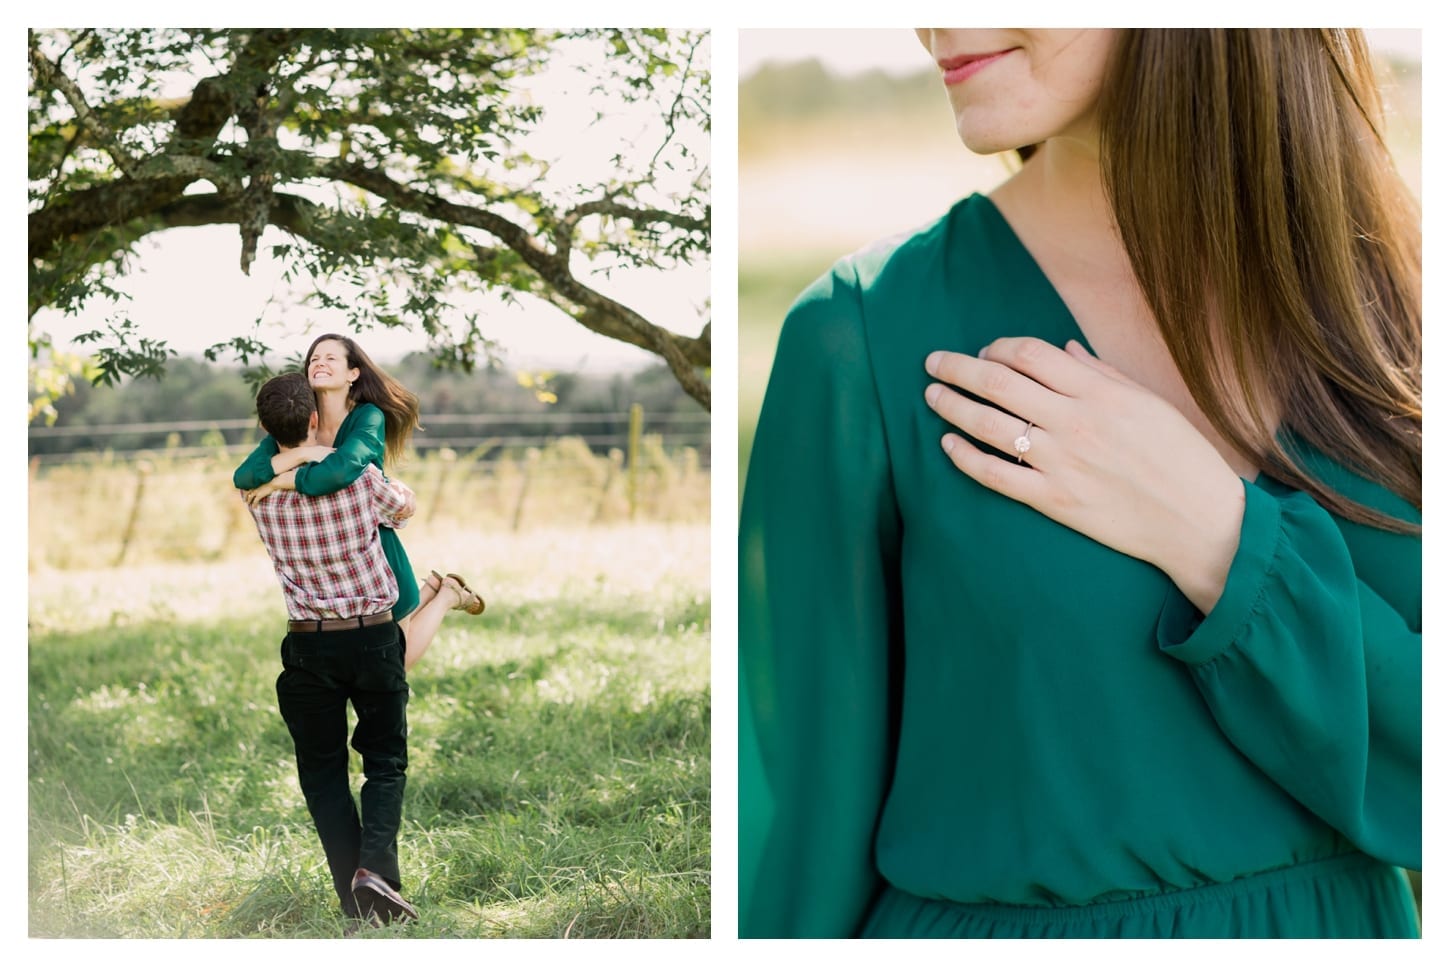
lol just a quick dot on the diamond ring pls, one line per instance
(1023, 443)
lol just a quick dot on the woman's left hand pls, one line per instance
(1107, 457)
(283, 481)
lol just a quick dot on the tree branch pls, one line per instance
(84, 226)
(675, 104)
(291, 213)
(427, 203)
(198, 121)
(595, 312)
(256, 67)
(552, 269)
(638, 215)
(696, 350)
(53, 78)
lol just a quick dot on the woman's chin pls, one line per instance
(983, 142)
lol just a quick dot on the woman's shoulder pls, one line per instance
(364, 414)
(938, 260)
(364, 418)
(917, 252)
(904, 279)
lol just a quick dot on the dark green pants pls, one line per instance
(321, 672)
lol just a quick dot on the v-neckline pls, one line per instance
(338, 432)
(1071, 325)
(1068, 323)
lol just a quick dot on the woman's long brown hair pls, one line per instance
(398, 403)
(1275, 243)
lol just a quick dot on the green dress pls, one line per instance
(962, 719)
(360, 441)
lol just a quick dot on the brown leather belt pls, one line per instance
(340, 624)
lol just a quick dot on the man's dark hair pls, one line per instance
(285, 405)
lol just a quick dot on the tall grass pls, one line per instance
(104, 510)
(558, 750)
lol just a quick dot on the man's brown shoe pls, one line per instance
(375, 898)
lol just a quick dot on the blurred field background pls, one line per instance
(559, 744)
(846, 137)
(171, 504)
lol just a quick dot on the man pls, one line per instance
(342, 645)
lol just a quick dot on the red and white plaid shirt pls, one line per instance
(325, 549)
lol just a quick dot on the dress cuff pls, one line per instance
(1194, 638)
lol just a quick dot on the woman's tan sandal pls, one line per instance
(467, 599)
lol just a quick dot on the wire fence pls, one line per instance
(504, 433)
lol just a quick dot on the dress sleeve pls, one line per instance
(362, 445)
(257, 468)
(1312, 674)
(819, 625)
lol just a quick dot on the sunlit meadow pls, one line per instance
(559, 746)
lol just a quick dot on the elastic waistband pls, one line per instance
(1174, 900)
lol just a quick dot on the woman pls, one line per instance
(1043, 640)
(363, 415)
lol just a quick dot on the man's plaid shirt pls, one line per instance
(325, 549)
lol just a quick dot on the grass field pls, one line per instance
(559, 748)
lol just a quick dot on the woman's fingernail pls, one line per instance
(947, 442)
(933, 361)
(932, 392)
(982, 353)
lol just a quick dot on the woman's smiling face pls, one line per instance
(328, 369)
(1015, 87)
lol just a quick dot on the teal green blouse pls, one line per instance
(360, 441)
(960, 718)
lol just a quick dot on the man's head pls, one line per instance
(287, 409)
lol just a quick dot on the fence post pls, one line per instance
(529, 461)
(636, 426)
(446, 456)
(143, 468)
(615, 459)
(234, 521)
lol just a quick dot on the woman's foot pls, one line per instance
(467, 600)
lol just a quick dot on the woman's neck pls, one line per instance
(332, 409)
(1059, 210)
(1060, 190)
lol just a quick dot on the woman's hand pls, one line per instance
(283, 481)
(409, 510)
(1107, 457)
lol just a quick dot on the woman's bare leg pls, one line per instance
(425, 595)
(422, 625)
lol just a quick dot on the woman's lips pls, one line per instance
(957, 69)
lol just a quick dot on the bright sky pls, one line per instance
(187, 288)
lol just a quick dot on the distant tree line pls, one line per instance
(557, 404)
(807, 89)
(777, 100)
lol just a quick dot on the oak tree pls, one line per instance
(395, 164)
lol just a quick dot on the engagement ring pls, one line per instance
(1023, 443)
